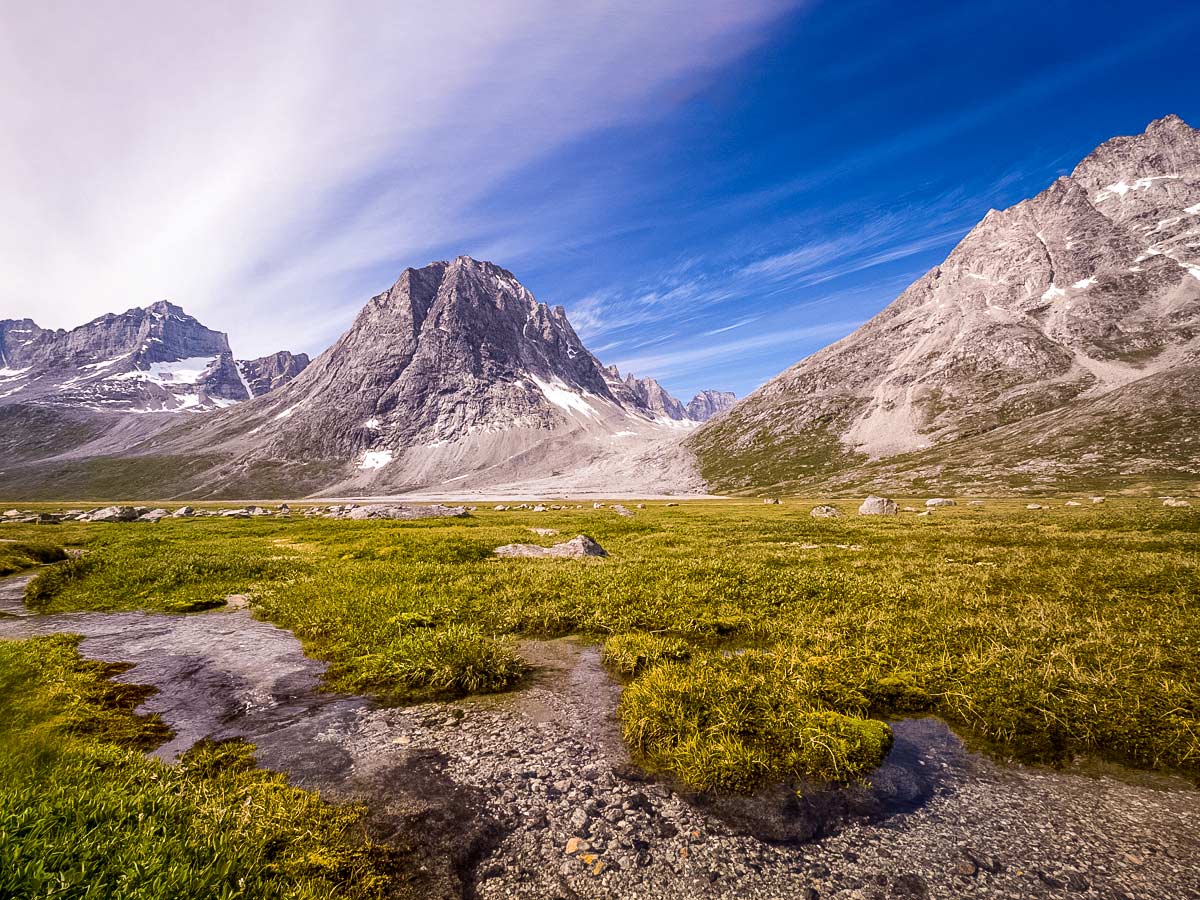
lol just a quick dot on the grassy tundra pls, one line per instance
(759, 644)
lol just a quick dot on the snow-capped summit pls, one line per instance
(155, 359)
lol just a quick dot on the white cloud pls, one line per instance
(254, 161)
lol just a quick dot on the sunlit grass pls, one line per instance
(1045, 634)
(83, 814)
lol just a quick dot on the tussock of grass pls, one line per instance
(16, 556)
(84, 814)
(632, 654)
(436, 663)
(742, 722)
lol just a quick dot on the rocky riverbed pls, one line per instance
(532, 795)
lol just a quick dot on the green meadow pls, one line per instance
(757, 644)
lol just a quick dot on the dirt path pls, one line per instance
(532, 794)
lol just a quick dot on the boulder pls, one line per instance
(935, 502)
(154, 515)
(576, 548)
(114, 514)
(878, 506)
(925, 512)
(1033, 506)
(12, 513)
(825, 512)
(1072, 503)
(48, 519)
(974, 503)
(184, 512)
(500, 507)
(597, 506)
(621, 510)
(772, 501)
(1172, 501)
(258, 511)
(1097, 499)
(234, 514)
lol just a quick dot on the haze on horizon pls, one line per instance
(713, 190)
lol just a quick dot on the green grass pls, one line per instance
(16, 556)
(83, 814)
(1042, 635)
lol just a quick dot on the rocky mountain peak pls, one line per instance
(707, 404)
(147, 359)
(1082, 291)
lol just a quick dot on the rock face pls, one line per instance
(576, 548)
(157, 359)
(707, 404)
(270, 373)
(1083, 302)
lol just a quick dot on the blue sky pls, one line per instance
(712, 190)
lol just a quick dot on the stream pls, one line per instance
(484, 794)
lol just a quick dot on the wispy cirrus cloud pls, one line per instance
(267, 165)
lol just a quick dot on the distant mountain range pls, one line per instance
(157, 359)
(455, 376)
(1057, 347)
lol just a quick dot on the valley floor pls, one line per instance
(1065, 636)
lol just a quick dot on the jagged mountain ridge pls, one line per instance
(156, 359)
(456, 377)
(1088, 288)
(649, 395)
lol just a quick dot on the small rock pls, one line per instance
(772, 501)
(575, 845)
(1034, 506)
(824, 512)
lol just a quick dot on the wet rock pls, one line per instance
(576, 548)
(878, 506)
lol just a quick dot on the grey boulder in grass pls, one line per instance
(878, 506)
(576, 548)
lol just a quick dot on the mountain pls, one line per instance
(1049, 336)
(707, 404)
(157, 359)
(455, 378)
